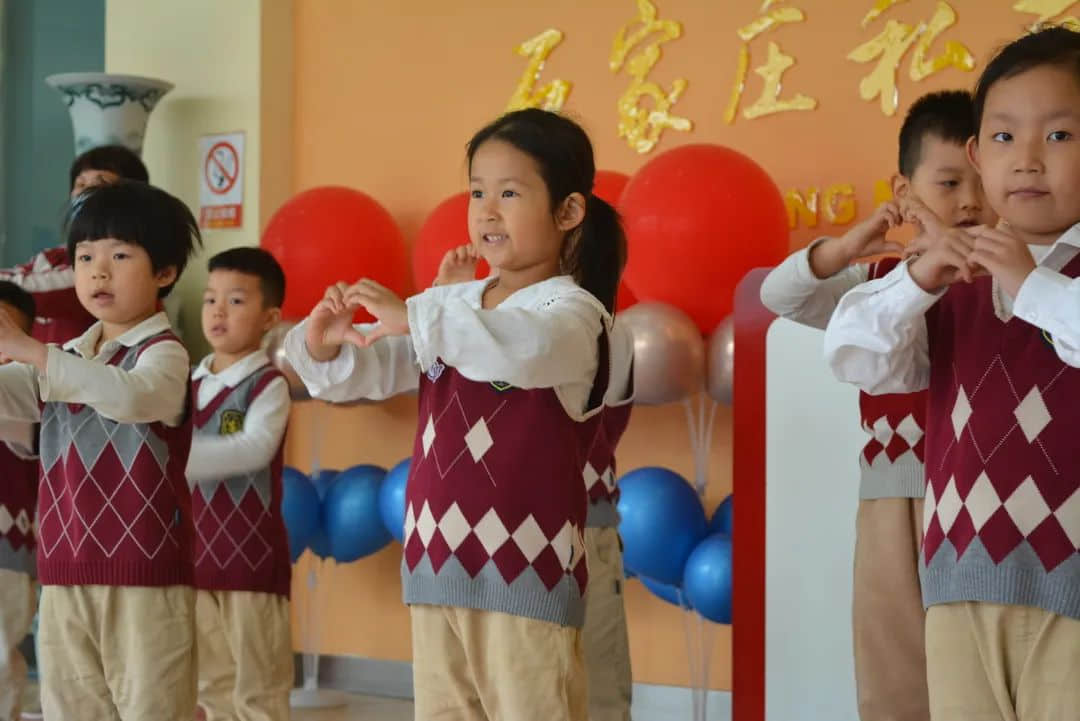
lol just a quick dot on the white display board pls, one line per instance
(813, 438)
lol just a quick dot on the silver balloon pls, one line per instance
(721, 355)
(274, 343)
(669, 354)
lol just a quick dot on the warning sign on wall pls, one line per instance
(221, 181)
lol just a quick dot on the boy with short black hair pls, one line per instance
(117, 627)
(242, 563)
(887, 611)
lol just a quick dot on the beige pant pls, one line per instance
(245, 655)
(117, 653)
(887, 611)
(607, 648)
(989, 662)
(17, 604)
(473, 665)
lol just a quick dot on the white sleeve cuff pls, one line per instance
(318, 375)
(1042, 290)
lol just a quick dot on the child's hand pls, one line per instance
(864, 239)
(458, 265)
(1004, 255)
(330, 324)
(945, 261)
(388, 309)
(17, 346)
(928, 226)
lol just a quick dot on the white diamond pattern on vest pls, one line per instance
(961, 412)
(1032, 414)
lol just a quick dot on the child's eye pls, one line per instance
(208, 301)
(509, 193)
(476, 194)
(950, 183)
(1058, 136)
(1002, 137)
(236, 301)
(120, 256)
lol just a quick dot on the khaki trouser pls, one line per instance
(17, 604)
(887, 611)
(607, 648)
(989, 662)
(471, 665)
(117, 653)
(245, 655)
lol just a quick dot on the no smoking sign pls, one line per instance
(221, 181)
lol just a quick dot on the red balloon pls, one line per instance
(697, 219)
(446, 228)
(329, 234)
(608, 185)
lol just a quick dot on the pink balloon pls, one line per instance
(669, 354)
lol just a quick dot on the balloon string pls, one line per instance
(713, 405)
(695, 441)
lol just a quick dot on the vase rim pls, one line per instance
(60, 80)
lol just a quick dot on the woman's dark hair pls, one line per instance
(139, 214)
(1049, 45)
(113, 158)
(595, 252)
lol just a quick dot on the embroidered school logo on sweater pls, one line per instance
(495, 506)
(114, 505)
(1002, 464)
(18, 494)
(240, 539)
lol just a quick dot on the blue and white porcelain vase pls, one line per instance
(108, 109)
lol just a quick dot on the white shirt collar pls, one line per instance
(235, 373)
(85, 344)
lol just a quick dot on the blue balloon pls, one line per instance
(323, 480)
(351, 514)
(671, 594)
(707, 581)
(722, 520)
(392, 499)
(662, 522)
(299, 509)
(320, 544)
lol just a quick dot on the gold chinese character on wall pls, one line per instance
(549, 96)
(771, 71)
(645, 107)
(1049, 11)
(894, 41)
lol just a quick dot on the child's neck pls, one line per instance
(1036, 238)
(509, 282)
(223, 361)
(112, 331)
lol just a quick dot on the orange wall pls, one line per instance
(386, 95)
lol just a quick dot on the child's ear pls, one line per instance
(166, 276)
(901, 186)
(972, 148)
(272, 318)
(571, 212)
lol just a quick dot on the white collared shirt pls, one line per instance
(792, 291)
(214, 457)
(542, 336)
(155, 389)
(877, 338)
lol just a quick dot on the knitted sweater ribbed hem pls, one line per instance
(975, 578)
(562, 605)
(602, 514)
(903, 478)
(279, 583)
(115, 573)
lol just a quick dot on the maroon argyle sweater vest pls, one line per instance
(1002, 513)
(240, 540)
(18, 494)
(600, 472)
(113, 506)
(891, 462)
(495, 504)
